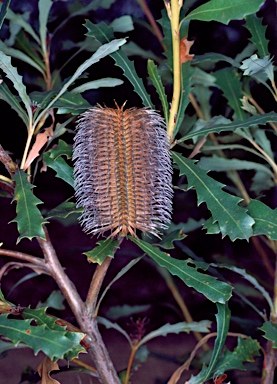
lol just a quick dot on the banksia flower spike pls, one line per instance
(122, 171)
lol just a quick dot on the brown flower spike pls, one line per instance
(122, 171)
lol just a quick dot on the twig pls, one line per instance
(151, 20)
(95, 286)
(57, 272)
(23, 256)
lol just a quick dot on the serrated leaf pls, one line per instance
(225, 10)
(168, 238)
(229, 81)
(265, 219)
(103, 34)
(270, 330)
(157, 82)
(3, 11)
(63, 210)
(12, 74)
(6, 95)
(211, 58)
(251, 121)
(53, 343)
(59, 165)
(103, 51)
(105, 248)
(201, 326)
(209, 286)
(232, 218)
(223, 320)
(29, 219)
(255, 66)
(257, 30)
(167, 40)
(95, 84)
(244, 352)
(62, 149)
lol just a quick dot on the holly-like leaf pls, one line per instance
(255, 66)
(54, 343)
(265, 219)
(225, 10)
(213, 289)
(232, 218)
(45, 368)
(29, 219)
(60, 166)
(257, 30)
(270, 330)
(229, 81)
(157, 82)
(168, 238)
(253, 120)
(105, 248)
(103, 33)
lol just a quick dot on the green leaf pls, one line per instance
(254, 66)
(168, 238)
(103, 34)
(54, 300)
(60, 166)
(73, 103)
(223, 320)
(3, 11)
(105, 248)
(201, 326)
(102, 52)
(212, 58)
(209, 286)
(108, 324)
(249, 278)
(6, 95)
(265, 219)
(167, 40)
(44, 7)
(12, 74)
(21, 56)
(257, 30)
(225, 10)
(118, 311)
(244, 352)
(122, 24)
(62, 149)
(251, 121)
(29, 219)
(53, 342)
(18, 19)
(63, 210)
(95, 84)
(270, 331)
(157, 82)
(186, 75)
(220, 164)
(229, 81)
(232, 218)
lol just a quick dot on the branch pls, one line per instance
(23, 256)
(57, 272)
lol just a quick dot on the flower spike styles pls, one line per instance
(122, 171)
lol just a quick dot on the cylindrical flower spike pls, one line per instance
(122, 171)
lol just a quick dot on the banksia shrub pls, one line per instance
(122, 171)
